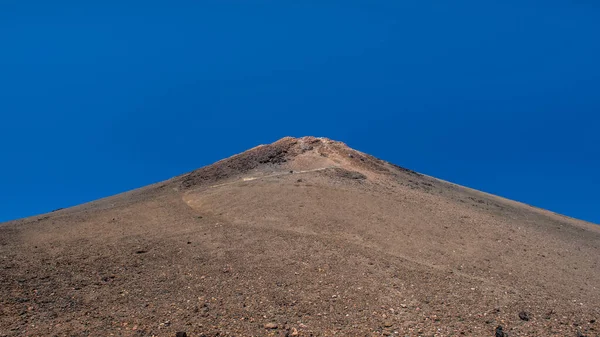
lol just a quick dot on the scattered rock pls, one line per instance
(579, 334)
(305, 147)
(272, 154)
(388, 324)
(271, 326)
(500, 331)
(205, 309)
(343, 173)
(294, 332)
(524, 315)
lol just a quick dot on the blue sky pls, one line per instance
(97, 98)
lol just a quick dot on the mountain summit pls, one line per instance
(302, 237)
(299, 154)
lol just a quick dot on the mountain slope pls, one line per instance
(308, 235)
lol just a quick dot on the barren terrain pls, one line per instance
(302, 237)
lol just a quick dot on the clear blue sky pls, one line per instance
(100, 97)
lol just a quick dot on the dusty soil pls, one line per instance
(302, 237)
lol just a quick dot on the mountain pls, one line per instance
(302, 237)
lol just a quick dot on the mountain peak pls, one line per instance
(290, 154)
(292, 236)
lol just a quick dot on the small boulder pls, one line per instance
(271, 326)
(500, 331)
(524, 315)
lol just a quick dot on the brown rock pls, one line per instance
(271, 326)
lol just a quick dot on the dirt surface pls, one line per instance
(302, 237)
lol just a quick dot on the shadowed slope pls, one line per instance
(309, 235)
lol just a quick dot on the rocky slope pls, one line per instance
(301, 237)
